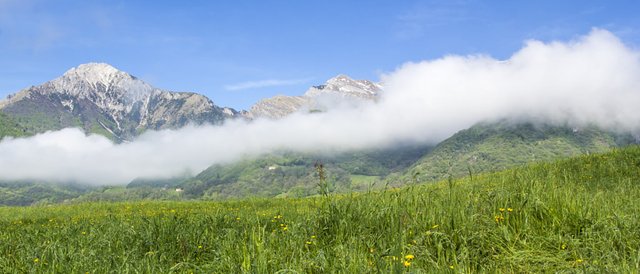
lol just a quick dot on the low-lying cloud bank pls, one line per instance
(594, 79)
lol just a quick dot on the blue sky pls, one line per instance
(237, 52)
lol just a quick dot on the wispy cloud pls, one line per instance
(266, 83)
(414, 22)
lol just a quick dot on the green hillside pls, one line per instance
(496, 146)
(10, 127)
(30, 193)
(481, 148)
(573, 216)
(293, 174)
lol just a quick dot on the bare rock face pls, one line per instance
(337, 90)
(102, 99)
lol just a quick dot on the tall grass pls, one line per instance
(576, 215)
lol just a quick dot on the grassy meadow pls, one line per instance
(575, 215)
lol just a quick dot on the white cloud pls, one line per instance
(265, 83)
(593, 79)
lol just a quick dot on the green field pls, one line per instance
(575, 215)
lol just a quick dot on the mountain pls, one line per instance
(31, 193)
(338, 90)
(294, 174)
(10, 127)
(102, 99)
(484, 147)
(494, 146)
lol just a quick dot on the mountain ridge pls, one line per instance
(102, 99)
(338, 90)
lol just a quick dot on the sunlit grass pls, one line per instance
(577, 215)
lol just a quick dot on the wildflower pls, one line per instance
(409, 257)
(238, 219)
(498, 218)
(563, 246)
(84, 233)
(501, 209)
(36, 260)
(510, 209)
(407, 263)
(309, 243)
(579, 261)
(451, 266)
(199, 247)
(313, 236)
(372, 250)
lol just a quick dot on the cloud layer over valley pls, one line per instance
(594, 79)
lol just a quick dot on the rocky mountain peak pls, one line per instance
(346, 86)
(339, 89)
(100, 98)
(97, 73)
(102, 78)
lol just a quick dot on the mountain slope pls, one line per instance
(101, 99)
(338, 90)
(495, 146)
(294, 174)
(10, 127)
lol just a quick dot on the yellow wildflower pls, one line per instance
(510, 209)
(409, 257)
(501, 209)
(36, 260)
(407, 263)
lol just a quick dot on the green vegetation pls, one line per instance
(575, 215)
(497, 146)
(10, 127)
(293, 175)
(25, 193)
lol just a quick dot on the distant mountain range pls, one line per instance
(101, 99)
(339, 90)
